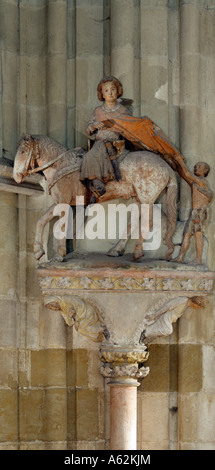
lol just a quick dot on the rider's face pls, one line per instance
(109, 92)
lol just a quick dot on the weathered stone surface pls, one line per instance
(43, 415)
(87, 418)
(8, 417)
(198, 408)
(153, 412)
(77, 370)
(159, 362)
(190, 368)
(48, 368)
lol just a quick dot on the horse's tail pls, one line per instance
(171, 208)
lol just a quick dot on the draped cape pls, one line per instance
(144, 134)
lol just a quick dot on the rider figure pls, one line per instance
(107, 125)
(98, 163)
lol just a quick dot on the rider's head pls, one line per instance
(112, 79)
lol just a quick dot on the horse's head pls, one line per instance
(23, 158)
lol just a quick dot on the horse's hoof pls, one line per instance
(170, 251)
(138, 255)
(115, 253)
(169, 256)
(177, 260)
(58, 258)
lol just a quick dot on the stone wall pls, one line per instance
(176, 399)
(52, 55)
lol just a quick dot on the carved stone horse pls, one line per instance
(144, 177)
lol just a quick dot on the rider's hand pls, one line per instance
(100, 125)
(94, 127)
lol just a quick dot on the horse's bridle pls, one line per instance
(30, 167)
(30, 164)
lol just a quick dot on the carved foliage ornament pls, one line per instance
(131, 284)
(121, 363)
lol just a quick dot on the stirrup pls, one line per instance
(96, 194)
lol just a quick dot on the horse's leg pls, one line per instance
(38, 246)
(144, 229)
(171, 206)
(119, 248)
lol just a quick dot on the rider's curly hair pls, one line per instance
(116, 82)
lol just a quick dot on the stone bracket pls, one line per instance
(90, 298)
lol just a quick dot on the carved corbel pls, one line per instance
(159, 322)
(81, 314)
(122, 361)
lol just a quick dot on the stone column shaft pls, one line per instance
(123, 60)
(189, 95)
(57, 70)
(89, 62)
(9, 62)
(123, 416)
(124, 367)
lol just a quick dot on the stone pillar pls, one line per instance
(189, 94)
(123, 44)
(57, 70)
(9, 319)
(123, 367)
(89, 62)
(123, 415)
(9, 60)
(154, 73)
(71, 73)
(31, 79)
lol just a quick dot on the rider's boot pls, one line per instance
(97, 189)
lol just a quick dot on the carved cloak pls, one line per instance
(144, 134)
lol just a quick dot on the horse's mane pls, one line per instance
(48, 141)
(51, 146)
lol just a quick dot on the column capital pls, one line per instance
(124, 365)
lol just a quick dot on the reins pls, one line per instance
(47, 165)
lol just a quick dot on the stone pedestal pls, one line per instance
(123, 306)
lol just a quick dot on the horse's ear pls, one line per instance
(27, 137)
